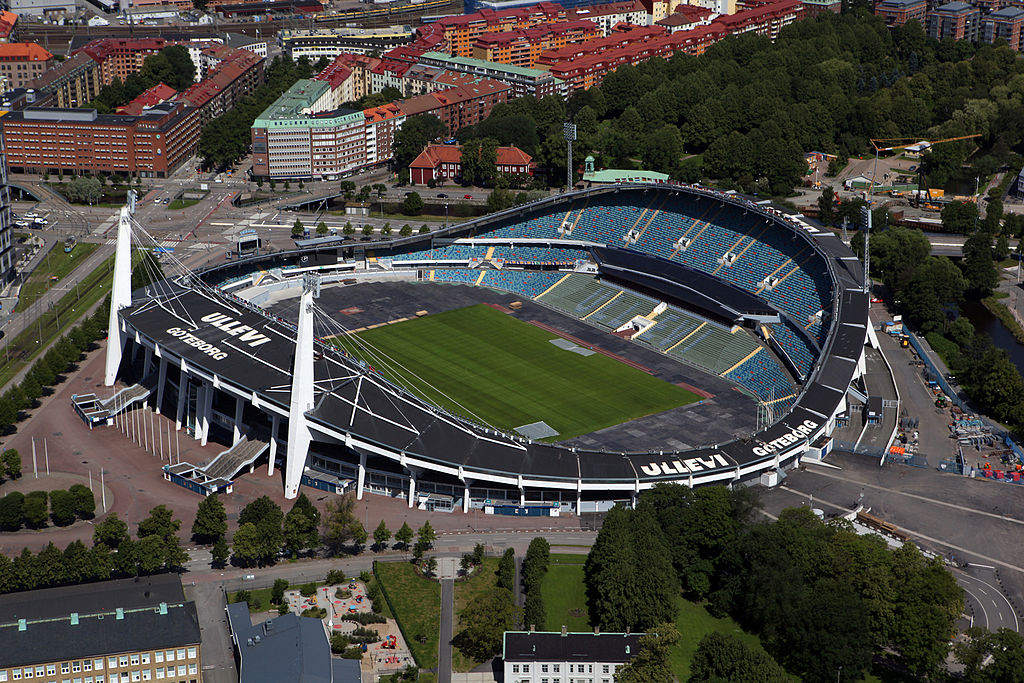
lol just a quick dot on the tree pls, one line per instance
(507, 569)
(827, 206)
(12, 511)
(348, 188)
(211, 520)
(723, 657)
(404, 535)
(662, 150)
(84, 501)
(415, 134)
(301, 526)
(247, 547)
(359, 535)
(268, 518)
(298, 229)
(960, 217)
(111, 532)
(367, 230)
(991, 657)
(62, 507)
(12, 463)
(321, 229)
(339, 522)
(412, 205)
(650, 664)
(426, 534)
(277, 592)
(500, 199)
(483, 623)
(406, 230)
(629, 577)
(381, 536)
(348, 229)
(386, 230)
(160, 523)
(220, 552)
(978, 265)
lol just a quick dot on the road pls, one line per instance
(444, 655)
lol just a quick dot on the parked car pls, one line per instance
(467, 196)
(442, 195)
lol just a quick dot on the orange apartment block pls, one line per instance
(523, 46)
(461, 32)
(120, 57)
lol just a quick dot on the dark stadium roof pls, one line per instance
(685, 285)
(386, 416)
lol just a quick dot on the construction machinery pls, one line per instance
(911, 145)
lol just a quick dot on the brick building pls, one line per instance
(899, 12)
(73, 83)
(465, 105)
(159, 93)
(956, 20)
(535, 82)
(686, 18)
(460, 32)
(610, 15)
(22, 63)
(120, 57)
(1007, 24)
(233, 75)
(355, 70)
(381, 124)
(443, 163)
(109, 632)
(522, 47)
(54, 140)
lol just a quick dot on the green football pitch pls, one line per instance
(489, 366)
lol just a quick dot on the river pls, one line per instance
(984, 321)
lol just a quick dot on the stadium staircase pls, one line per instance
(230, 462)
(95, 410)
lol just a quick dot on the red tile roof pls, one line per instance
(435, 155)
(160, 92)
(8, 20)
(24, 52)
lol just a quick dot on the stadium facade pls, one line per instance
(718, 266)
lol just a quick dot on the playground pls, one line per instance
(388, 654)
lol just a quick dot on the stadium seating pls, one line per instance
(453, 252)
(540, 255)
(715, 348)
(763, 377)
(456, 275)
(579, 295)
(526, 283)
(622, 308)
(796, 345)
(671, 325)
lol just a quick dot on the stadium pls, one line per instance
(564, 354)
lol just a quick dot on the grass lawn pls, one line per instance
(56, 264)
(481, 582)
(181, 204)
(501, 371)
(416, 603)
(694, 622)
(565, 598)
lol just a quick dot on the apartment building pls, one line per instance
(120, 57)
(109, 632)
(331, 42)
(465, 105)
(22, 63)
(899, 12)
(1006, 24)
(610, 15)
(381, 124)
(686, 18)
(461, 32)
(955, 20)
(232, 74)
(522, 47)
(355, 70)
(535, 657)
(522, 81)
(73, 83)
(56, 140)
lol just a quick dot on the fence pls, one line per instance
(925, 355)
(859, 449)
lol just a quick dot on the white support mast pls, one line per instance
(301, 401)
(120, 295)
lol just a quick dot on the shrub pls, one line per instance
(314, 613)
(307, 590)
(352, 653)
(364, 618)
(335, 576)
(242, 596)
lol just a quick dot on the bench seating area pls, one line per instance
(523, 282)
(763, 377)
(796, 345)
(621, 309)
(671, 325)
(579, 295)
(715, 348)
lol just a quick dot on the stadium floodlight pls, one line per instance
(569, 131)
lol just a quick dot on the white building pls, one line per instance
(548, 657)
(609, 15)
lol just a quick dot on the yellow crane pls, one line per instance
(914, 145)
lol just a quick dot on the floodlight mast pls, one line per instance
(301, 398)
(569, 131)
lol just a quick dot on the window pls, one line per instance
(112, 662)
(555, 667)
(192, 653)
(158, 657)
(159, 672)
(3, 676)
(147, 674)
(76, 667)
(123, 660)
(87, 665)
(65, 668)
(526, 668)
(604, 669)
(136, 675)
(88, 679)
(51, 669)
(16, 674)
(193, 668)
(135, 660)
(169, 655)
(181, 670)
(145, 658)
(515, 670)
(99, 679)
(543, 668)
